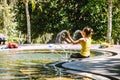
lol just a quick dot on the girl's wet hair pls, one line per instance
(88, 31)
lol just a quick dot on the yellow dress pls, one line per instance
(85, 51)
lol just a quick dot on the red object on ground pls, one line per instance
(12, 45)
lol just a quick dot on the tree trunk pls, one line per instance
(28, 22)
(109, 21)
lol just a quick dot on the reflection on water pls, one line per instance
(29, 66)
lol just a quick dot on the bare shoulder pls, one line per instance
(82, 39)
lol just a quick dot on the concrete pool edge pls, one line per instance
(105, 66)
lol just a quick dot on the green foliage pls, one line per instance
(1, 19)
(8, 23)
(116, 20)
(33, 4)
(53, 16)
(98, 17)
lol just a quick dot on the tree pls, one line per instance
(109, 21)
(28, 22)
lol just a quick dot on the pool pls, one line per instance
(39, 64)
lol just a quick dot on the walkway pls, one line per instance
(109, 67)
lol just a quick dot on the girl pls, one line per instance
(85, 42)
